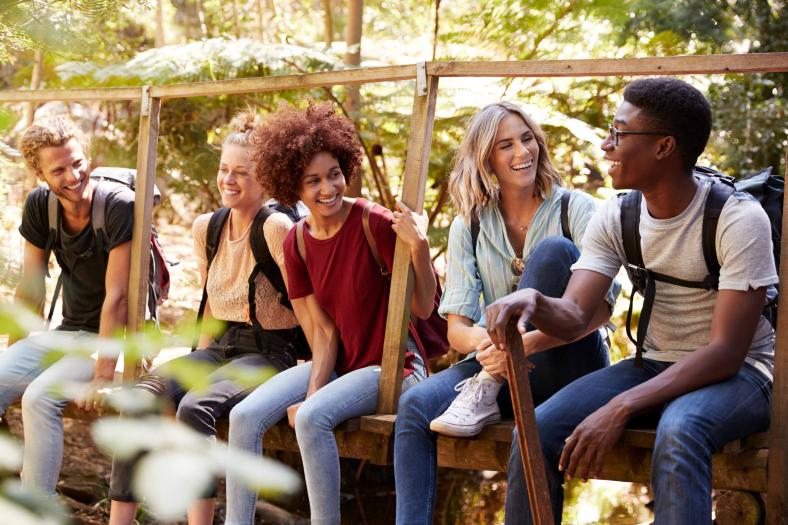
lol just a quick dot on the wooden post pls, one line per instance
(777, 495)
(527, 432)
(416, 164)
(143, 208)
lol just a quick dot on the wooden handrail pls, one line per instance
(601, 67)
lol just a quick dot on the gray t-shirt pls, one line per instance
(681, 317)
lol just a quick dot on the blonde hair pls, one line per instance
(241, 127)
(472, 183)
(54, 132)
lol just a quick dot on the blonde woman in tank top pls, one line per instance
(226, 282)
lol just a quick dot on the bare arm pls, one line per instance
(114, 310)
(412, 229)
(463, 335)
(323, 338)
(567, 318)
(31, 291)
(736, 316)
(537, 341)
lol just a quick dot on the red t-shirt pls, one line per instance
(347, 283)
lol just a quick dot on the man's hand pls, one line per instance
(520, 304)
(292, 410)
(586, 447)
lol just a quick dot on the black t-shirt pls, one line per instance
(83, 270)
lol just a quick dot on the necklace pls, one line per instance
(523, 227)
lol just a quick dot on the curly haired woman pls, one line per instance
(339, 296)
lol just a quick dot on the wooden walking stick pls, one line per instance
(527, 433)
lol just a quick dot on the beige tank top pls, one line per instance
(228, 286)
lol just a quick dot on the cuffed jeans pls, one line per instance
(351, 395)
(23, 373)
(235, 349)
(415, 454)
(690, 429)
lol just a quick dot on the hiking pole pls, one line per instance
(527, 433)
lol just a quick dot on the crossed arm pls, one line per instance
(736, 315)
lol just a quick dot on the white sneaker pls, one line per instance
(475, 407)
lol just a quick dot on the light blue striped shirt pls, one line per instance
(465, 293)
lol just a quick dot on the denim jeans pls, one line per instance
(22, 371)
(351, 395)
(689, 429)
(235, 349)
(415, 453)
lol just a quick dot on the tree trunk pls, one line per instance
(328, 24)
(236, 25)
(260, 20)
(35, 83)
(435, 32)
(159, 35)
(353, 58)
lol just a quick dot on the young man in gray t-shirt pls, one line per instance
(95, 293)
(708, 354)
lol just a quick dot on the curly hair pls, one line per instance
(288, 140)
(49, 133)
(472, 183)
(673, 105)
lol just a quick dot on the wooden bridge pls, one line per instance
(751, 466)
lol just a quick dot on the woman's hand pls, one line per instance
(409, 226)
(492, 360)
(292, 410)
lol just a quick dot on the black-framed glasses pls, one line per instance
(615, 133)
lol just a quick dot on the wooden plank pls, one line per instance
(344, 77)
(413, 186)
(69, 95)
(677, 65)
(473, 454)
(527, 432)
(777, 498)
(143, 209)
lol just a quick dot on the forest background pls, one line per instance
(103, 43)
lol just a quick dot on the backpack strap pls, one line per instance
(98, 215)
(715, 201)
(264, 261)
(373, 246)
(214, 234)
(641, 278)
(565, 230)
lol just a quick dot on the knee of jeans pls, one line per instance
(36, 400)
(310, 418)
(410, 408)
(677, 434)
(192, 410)
(549, 264)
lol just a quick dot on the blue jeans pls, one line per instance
(689, 429)
(22, 371)
(415, 454)
(351, 395)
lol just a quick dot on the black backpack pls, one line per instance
(107, 180)
(565, 230)
(264, 263)
(763, 186)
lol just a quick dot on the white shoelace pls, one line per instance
(470, 390)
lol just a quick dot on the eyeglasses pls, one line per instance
(616, 134)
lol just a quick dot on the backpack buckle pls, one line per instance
(638, 275)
